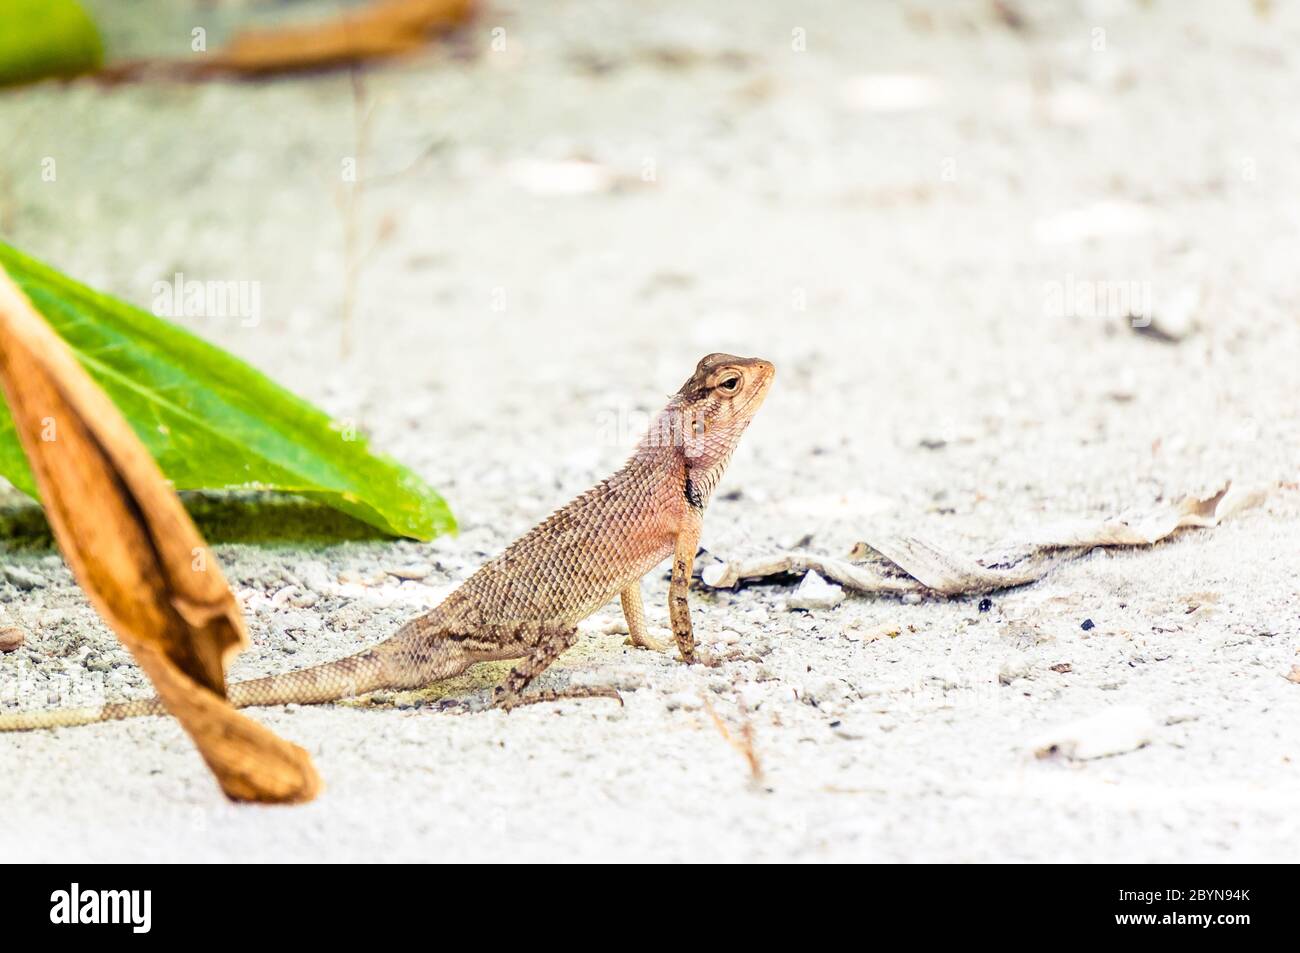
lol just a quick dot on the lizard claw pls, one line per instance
(647, 642)
(507, 700)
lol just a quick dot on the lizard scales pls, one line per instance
(526, 603)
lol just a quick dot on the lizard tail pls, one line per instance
(67, 717)
(382, 666)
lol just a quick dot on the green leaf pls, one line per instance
(209, 419)
(40, 38)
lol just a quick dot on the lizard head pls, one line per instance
(717, 404)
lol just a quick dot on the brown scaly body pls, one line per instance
(526, 603)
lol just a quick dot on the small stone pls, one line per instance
(912, 599)
(23, 579)
(728, 637)
(686, 701)
(823, 691)
(1109, 732)
(986, 604)
(1013, 670)
(11, 638)
(414, 572)
(315, 575)
(1087, 625)
(814, 592)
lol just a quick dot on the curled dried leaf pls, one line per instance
(135, 551)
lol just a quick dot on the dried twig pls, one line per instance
(744, 744)
(886, 563)
(385, 28)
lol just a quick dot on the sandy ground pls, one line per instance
(900, 215)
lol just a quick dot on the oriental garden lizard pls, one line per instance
(526, 603)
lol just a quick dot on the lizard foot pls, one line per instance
(506, 700)
(648, 642)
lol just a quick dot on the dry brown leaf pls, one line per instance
(133, 548)
(897, 564)
(382, 29)
(744, 744)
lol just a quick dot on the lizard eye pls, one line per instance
(730, 384)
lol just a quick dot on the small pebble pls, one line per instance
(304, 600)
(814, 592)
(686, 701)
(823, 691)
(23, 579)
(1013, 670)
(315, 575)
(1087, 625)
(986, 604)
(413, 572)
(11, 638)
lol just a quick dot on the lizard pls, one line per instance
(526, 603)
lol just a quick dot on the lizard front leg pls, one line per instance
(551, 643)
(634, 612)
(679, 609)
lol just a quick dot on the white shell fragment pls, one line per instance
(1114, 731)
(814, 592)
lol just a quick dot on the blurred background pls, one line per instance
(943, 220)
(1014, 261)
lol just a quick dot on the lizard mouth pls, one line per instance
(758, 393)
